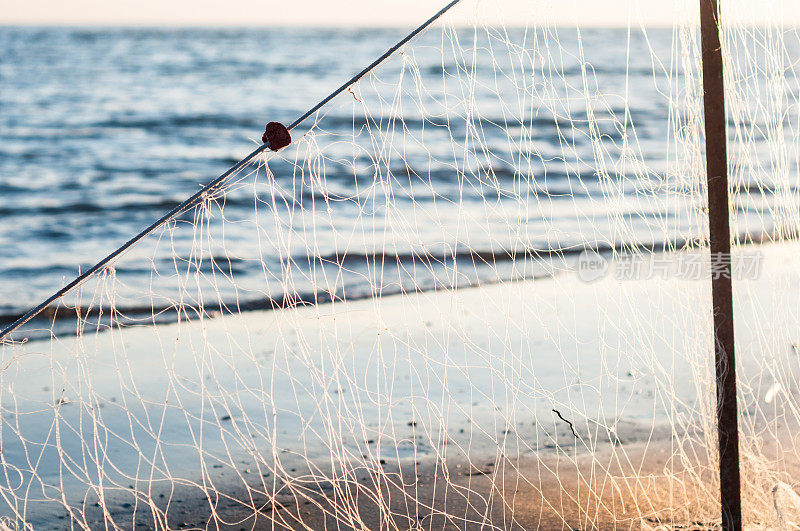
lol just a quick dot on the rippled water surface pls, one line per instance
(103, 130)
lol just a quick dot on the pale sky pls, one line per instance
(377, 12)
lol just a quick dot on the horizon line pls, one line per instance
(313, 25)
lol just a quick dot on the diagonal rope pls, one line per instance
(215, 184)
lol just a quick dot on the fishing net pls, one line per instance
(473, 293)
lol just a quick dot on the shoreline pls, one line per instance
(61, 319)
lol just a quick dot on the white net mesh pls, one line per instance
(474, 294)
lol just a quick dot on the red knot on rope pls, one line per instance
(276, 136)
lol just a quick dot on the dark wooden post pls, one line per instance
(720, 236)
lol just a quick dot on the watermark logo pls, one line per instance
(592, 266)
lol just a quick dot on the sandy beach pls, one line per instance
(544, 403)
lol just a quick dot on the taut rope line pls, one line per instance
(215, 184)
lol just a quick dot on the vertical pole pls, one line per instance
(719, 224)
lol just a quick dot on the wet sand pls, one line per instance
(239, 422)
(644, 487)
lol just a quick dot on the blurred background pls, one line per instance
(111, 113)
